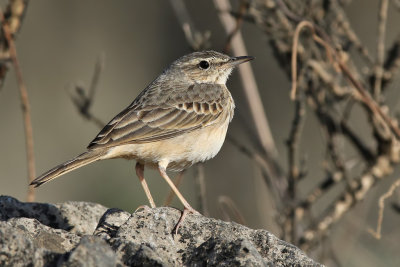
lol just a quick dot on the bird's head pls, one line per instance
(206, 67)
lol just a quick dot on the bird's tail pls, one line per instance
(79, 161)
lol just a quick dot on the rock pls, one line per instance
(15, 248)
(87, 234)
(46, 214)
(110, 222)
(82, 216)
(76, 217)
(201, 241)
(42, 236)
(92, 251)
(239, 252)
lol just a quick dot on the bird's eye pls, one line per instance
(204, 65)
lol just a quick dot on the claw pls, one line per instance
(186, 211)
(142, 207)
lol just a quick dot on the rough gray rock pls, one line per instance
(91, 251)
(15, 247)
(87, 234)
(80, 218)
(42, 236)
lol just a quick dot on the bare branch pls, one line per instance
(344, 23)
(392, 63)
(26, 110)
(380, 48)
(389, 193)
(335, 57)
(294, 173)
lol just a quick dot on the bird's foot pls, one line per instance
(142, 207)
(187, 210)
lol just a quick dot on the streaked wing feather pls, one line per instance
(143, 123)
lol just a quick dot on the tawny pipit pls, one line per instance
(180, 119)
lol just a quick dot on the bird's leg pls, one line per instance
(140, 173)
(164, 175)
(171, 193)
(187, 208)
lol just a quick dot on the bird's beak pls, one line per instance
(233, 61)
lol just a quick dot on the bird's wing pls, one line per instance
(160, 113)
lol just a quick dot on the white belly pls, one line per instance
(179, 152)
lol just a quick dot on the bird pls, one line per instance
(179, 119)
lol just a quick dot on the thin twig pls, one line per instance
(98, 69)
(340, 173)
(380, 48)
(369, 102)
(14, 15)
(26, 110)
(392, 63)
(196, 40)
(343, 22)
(293, 146)
(295, 44)
(83, 101)
(317, 192)
(381, 203)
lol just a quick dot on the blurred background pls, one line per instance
(58, 45)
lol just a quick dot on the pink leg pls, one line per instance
(140, 173)
(188, 209)
(171, 193)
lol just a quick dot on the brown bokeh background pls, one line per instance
(58, 46)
